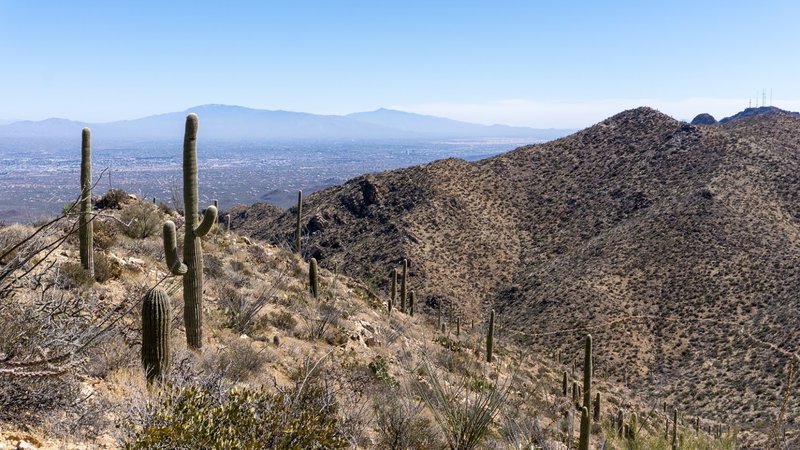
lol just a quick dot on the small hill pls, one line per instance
(677, 245)
(704, 119)
(759, 111)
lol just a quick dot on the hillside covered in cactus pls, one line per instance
(677, 246)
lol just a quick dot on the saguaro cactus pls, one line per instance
(583, 443)
(675, 429)
(393, 296)
(587, 374)
(313, 277)
(411, 303)
(404, 286)
(85, 234)
(564, 385)
(156, 314)
(298, 230)
(192, 266)
(490, 338)
(596, 416)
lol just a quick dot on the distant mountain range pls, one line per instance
(226, 122)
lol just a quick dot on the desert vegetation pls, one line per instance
(259, 346)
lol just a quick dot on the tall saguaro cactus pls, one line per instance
(85, 234)
(404, 286)
(192, 266)
(411, 296)
(298, 229)
(587, 374)
(156, 313)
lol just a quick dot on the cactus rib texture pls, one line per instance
(156, 313)
(85, 234)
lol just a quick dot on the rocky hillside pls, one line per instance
(678, 246)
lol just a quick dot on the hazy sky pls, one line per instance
(534, 63)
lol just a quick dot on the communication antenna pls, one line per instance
(770, 96)
(764, 97)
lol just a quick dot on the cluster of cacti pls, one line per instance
(313, 278)
(156, 314)
(85, 232)
(192, 266)
(490, 338)
(298, 229)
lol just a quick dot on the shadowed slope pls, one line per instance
(694, 230)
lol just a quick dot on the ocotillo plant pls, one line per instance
(85, 234)
(192, 266)
(583, 443)
(156, 314)
(411, 303)
(490, 338)
(298, 231)
(313, 277)
(404, 286)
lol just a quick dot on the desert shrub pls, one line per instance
(141, 220)
(464, 416)
(301, 416)
(319, 319)
(105, 234)
(113, 199)
(380, 369)
(242, 308)
(283, 320)
(72, 275)
(238, 360)
(106, 268)
(400, 423)
(24, 400)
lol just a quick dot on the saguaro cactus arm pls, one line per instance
(209, 218)
(176, 267)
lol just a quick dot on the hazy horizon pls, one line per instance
(517, 63)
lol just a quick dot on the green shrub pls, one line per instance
(105, 268)
(283, 320)
(141, 220)
(302, 417)
(72, 275)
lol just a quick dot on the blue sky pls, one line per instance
(535, 63)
